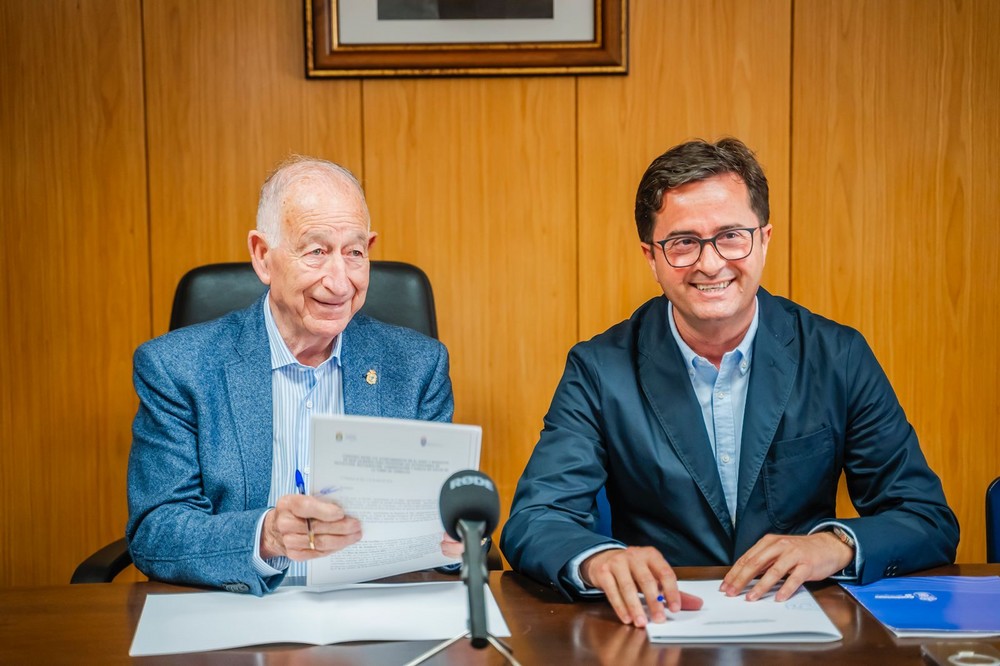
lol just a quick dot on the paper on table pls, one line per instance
(195, 622)
(725, 619)
(388, 474)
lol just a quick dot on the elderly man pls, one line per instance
(222, 426)
(719, 418)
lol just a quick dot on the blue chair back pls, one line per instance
(603, 513)
(993, 522)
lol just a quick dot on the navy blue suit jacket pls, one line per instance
(625, 416)
(200, 465)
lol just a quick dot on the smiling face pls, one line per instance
(318, 269)
(714, 298)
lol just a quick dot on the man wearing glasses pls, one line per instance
(719, 419)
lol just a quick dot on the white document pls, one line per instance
(388, 474)
(196, 622)
(725, 619)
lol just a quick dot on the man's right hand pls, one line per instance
(623, 574)
(286, 532)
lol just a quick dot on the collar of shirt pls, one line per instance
(281, 355)
(743, 351)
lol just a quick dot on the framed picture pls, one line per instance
(379, 38)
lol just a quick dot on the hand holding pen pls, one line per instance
(328, 528)
(300, 485)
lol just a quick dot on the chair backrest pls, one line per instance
(398, 293)
(993, 522)
(603, 526)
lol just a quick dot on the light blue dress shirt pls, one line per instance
(298, 391)
(722, 394)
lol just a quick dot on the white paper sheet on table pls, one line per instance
(388, 474)
(200, 621)
(725, 619)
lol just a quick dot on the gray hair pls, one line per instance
(693, 161)
(270, 208)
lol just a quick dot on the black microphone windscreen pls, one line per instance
(469, 495)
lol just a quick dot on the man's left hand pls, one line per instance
(451, 548)
(797, 559)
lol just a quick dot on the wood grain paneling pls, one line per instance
(75, 277)
(227, 100)
(697, 70)
(473, 180)
(896, 130)
(515, 194)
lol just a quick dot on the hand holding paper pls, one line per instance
(387, 474)
(797, 559)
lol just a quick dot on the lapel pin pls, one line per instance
(371, 377)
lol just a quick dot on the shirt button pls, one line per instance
(720, 395)
(309, 404)
(726, 458)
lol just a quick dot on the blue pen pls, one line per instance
(300, 484)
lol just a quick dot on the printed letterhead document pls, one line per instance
(388, 474)
(200, 621)
(934, 606)
(725, 619)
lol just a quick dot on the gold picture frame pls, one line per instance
(336, 49)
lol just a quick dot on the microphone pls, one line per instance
(470, 510)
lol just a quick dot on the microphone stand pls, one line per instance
(474, 575)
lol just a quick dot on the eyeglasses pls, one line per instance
(731, 244)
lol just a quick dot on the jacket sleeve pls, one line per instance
(554, 508)
(175, 533)
(437, 403)
(905, 523)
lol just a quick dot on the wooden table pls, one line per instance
(94, 624)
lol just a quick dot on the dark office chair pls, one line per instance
(398, 293)
(993, 522)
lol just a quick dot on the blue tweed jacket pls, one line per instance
(200, 466)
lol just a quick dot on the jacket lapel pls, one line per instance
(248, 382)
(361, 363)
(667, 387)
(775, 361)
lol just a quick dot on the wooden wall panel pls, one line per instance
(515, 194)
(473, 180)
(896, 130)
(75, 277)
(227, 100)
(697, 70)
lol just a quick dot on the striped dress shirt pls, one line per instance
(298, 391)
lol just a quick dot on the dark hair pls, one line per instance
(693, 161)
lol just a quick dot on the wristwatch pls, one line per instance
(842, 534)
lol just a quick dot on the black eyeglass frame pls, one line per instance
(702, 242)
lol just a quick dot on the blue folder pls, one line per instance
(943, 606)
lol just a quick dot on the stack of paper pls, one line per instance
(936, 606)
(175, 623)
(725, 619)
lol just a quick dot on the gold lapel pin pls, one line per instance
(371, 377)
